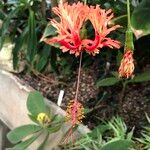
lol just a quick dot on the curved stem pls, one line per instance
(78, 80)
(128, 13)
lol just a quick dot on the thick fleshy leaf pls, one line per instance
(107, 82)
(140, 20)
(19, 133)
(35, 103)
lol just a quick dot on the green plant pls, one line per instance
(145, 138)
(45, 123)
(111, 135)
(140, 14)
(142, 77)
(23, 24)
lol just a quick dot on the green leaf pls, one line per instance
(42, 62)
(35, 103)
(117, 145)
(53, 60)
(5, 26)
(141, 77)
(140, 19)
(119, 57)
(44, 57)
(42, 146)
(147, 117)
(49, 31)
(57, 119)
(33, 118)
(19, 133)
(100, 129)
(121, 20)
(23, 145)
(115, 74)
(130, 134)
(54, 128)
(18, 46)
(2, 15)
(32, 38)
(107, 81)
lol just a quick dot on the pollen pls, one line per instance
(75, 112)
(43, 118)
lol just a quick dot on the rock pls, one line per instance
(6, 59)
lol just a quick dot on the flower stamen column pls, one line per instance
(75, 110)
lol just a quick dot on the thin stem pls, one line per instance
(78, 80)
(128, 13)
(84, 1)
(122, 94)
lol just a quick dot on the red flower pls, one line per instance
(126, 68)
(72, 18)
(99, 19)
(68, 29)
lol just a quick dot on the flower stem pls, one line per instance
(128, 13)
(129, 34)
(85, 2)
(122, 93)
(78, 80)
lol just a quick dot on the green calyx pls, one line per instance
(83, 33)
(129, 41)
(129, 34)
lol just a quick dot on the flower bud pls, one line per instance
(126, 68)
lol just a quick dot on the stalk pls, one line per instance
(129, 34)
(78, 80)
(128, 13)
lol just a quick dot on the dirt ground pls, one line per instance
(102, 103)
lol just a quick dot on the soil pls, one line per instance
(102, 103)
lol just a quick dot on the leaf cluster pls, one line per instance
(25, 135)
